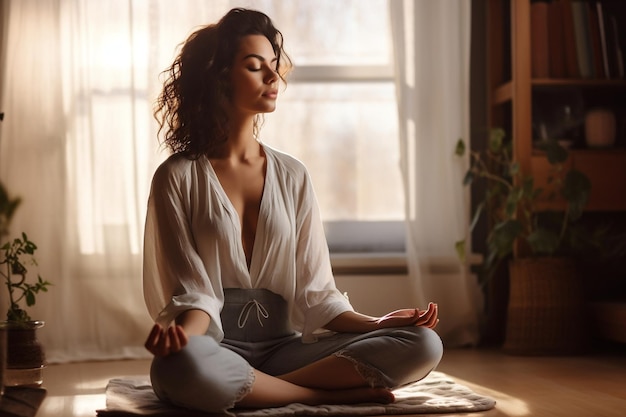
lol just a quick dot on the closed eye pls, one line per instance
(262, 60)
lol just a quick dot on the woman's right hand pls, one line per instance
(163, 342)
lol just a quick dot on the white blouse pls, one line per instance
(193, 247)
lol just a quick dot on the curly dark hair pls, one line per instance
(191, 107)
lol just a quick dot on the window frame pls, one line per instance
(359, 246)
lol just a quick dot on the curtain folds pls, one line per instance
(431, 48)
(78, 146)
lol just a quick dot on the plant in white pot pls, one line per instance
(25, 357)
(545, 313)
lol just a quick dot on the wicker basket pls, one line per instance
(546, 313)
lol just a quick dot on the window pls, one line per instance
(338, 115)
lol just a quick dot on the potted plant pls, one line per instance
(24, 357)
(545, 313)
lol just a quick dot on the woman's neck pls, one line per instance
(241, 144)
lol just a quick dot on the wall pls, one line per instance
(376, 294)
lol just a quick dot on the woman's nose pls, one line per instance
(271, 76)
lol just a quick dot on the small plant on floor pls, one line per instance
(15, 256)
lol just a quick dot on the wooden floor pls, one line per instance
(593, 385)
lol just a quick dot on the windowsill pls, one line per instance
(392, 263)
(363, 263)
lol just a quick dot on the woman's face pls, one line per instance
(253, 76)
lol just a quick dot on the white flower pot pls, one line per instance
(600, 128)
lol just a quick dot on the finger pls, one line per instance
(182, 336)
(153, 337)
(162, 348)
(425, 312)
(426, 317)
(432, 322)
(430, 317)
(172, 334)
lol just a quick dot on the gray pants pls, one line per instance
(211, 376)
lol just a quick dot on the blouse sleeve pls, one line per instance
(316, 292)
(174, 277)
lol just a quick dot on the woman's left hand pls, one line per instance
(353, 322)
(411, 317)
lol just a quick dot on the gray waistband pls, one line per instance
(254, 315)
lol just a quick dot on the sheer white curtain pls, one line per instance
(431, 46)
(79, 146)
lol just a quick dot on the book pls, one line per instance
(614, 13)
(611, 44)
(540, 59)
(555, 40)
(594, 41)
(602, 30)
(619, 55)
(581, 33)
(569, 40)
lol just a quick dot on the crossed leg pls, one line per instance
(401, 355)
(331, 380)
(206, 376)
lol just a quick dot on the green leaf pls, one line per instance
(555, 153)
(30, 298)
(17, 268)
(479, 209)
(504, 235)
(543, 241)
(528, 186)
(460, 249)
(576, 190)
(496, 139)
(460, 148)
(488, 267)
(512, 201)
(469, 178)
(515, 169)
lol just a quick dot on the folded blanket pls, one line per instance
(437, 393)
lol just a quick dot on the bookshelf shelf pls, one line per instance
(599, 152)
(504, 92)
(568, 82)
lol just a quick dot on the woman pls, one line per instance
(235, 254)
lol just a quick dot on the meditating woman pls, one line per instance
(236, 267)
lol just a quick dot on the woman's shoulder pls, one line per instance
(285, 162)
(175, 168)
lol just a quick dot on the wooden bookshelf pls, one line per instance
(515, 100)
(512, 90)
